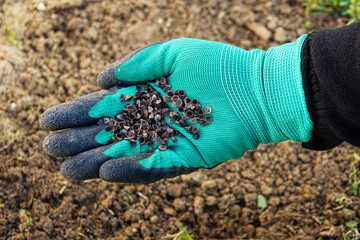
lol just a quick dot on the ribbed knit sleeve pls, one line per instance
(331, 80)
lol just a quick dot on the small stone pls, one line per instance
(133, 215)
(274, 201)
(280, 35)
(272, 23)
(208, 184)
(249, 174)
(154, 219)
(174, 190)
(169, 211)
(347, 214)
(198, 205)
(179, 204)
(265, 189)
(211, 201)
(12, 106)
(250, 199)
(196, 177)
(305, 158)
(259, 30)
(235, 210)
(150, 210)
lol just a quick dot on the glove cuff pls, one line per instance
(284, 90)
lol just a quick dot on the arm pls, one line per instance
(331, 80)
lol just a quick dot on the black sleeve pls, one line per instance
(331, 80)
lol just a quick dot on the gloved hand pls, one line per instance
(255, 96)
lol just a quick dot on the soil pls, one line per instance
(53, 52)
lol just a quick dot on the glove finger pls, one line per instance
(140, 66)
(85, 110)
(73, 113)
(86, 165)
(144, 168)
(76, 140)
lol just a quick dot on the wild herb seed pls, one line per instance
(145, 120)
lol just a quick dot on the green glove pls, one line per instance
(255, 96)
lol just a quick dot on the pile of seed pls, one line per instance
(145, 120)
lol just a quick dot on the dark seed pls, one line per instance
(195, 130)
(144, 113)
(193, 121)
(111, 122)
(182, 122)
(142, 140)
(195, 101)
(157, 118)
(201, 122)
(189, 113)
(110, 128)
(128, 98)
(131, 134)
(163, 81)
(118, 136)
(106, 120)
(122, 97)
(188, 129)
(119, 116)
(132, 142)
(184, 117)
(162, 147)
(172, 120)
(173, 98)
(182, 93)
(196, 136)
(165, 141)
(123, 133)
(170, 93)
(207, 110)
(136, 126)
(130, 107)
(187, 101)
(209, 119)
(176, 103)
(181, 109)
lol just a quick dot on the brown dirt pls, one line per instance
(47, 57)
